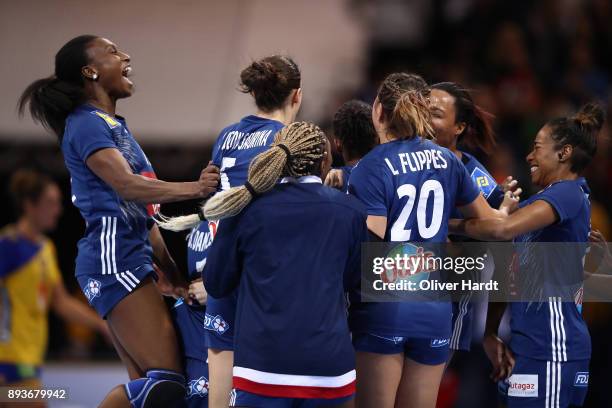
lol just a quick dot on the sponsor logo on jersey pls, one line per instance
(197, 387)
(215, 323)
(523, 385)
(582, 379)
(439, 342)
(112, 123)
(93, 289)
(484, 182)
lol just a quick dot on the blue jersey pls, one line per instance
(554, 330)
(233, 152)
(485, 182)
(463, 311)
(346, 174)
(116, 235)
(238, 144)
(414, 184)
(292, 338)
(198, 241)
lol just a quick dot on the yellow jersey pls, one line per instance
(28, 275)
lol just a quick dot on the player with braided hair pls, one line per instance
(274, 83)
(302, 141)
(293, 249)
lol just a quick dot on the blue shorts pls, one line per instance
(189, 324)
(545, 384)
(239, 398)
(219, 322)
(463, 318)
(104, 291)
(196, 372)
(424, 351)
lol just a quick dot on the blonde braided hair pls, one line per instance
(297, 151)
(305, 147)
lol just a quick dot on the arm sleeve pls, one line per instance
(487, 185)
(223, 263)
(367, 183)
(565, 198)
(89, 134)
(467, 190)
(496, 197)
(352, 274)
(7, 264)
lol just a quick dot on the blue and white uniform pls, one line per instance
(233, 151)
(414, 184)
(189, 320)
(550, 339)
(292, 340)
(346, 174)
(463, 311)
(115, 254)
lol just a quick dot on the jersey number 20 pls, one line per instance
(399, 233)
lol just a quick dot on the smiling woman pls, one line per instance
(113, 186)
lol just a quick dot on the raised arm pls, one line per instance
(110, 165)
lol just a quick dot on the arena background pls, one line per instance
(526, 61)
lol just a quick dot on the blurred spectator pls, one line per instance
(30, 281)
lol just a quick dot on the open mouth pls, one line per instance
(533, 169)
(126, 71)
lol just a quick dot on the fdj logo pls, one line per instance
(482, 181)
(216, 323)
(582, 379)
(485, 183)
(92, 289)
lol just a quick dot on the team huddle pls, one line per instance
(270, 313)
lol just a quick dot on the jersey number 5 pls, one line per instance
(226, 163)
(399, 233)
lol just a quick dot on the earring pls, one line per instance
(94, 77)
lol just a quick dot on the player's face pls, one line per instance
(443, 116)
(543, 159)
(47, 210)
(112, 66)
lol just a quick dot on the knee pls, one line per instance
(159, 389)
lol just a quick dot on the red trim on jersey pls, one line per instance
(152, 209)
(293, 391)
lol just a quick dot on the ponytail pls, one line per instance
(52, 99)
(405, 105)
(411, 116)
(297, 151)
